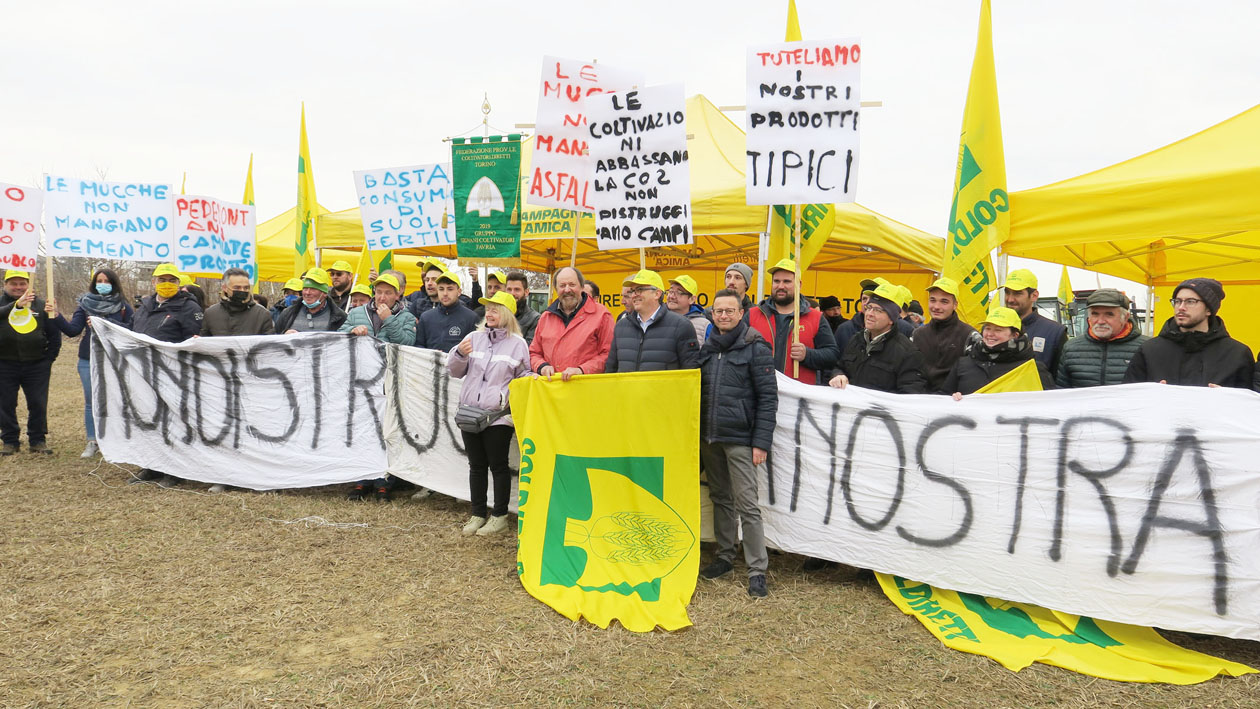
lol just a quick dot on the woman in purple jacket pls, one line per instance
(488, 359)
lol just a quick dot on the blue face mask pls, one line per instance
(312, 306)
(290, 300)
(104, 288)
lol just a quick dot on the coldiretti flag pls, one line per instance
(1066, 296)
(979, 219)
(1019, 634)
(610, 515)
(817, 220)
(248, 199)
(304, 243)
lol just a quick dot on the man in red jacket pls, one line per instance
(574, 334)
(816, 350)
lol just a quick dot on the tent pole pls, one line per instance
(577, 224)
(1150, 309)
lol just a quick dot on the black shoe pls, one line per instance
(145, 475)
(719, 568)
(357, 493)
(40, 447)
(757, 586)
(813, 564)
(169, 481)
(382, 494)
(8, 449)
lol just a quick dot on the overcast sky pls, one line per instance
(147, 90)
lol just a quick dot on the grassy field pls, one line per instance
(135, 595)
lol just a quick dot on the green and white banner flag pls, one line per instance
(487, 177)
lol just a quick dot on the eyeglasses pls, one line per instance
(726, 312)
(677, 293)
(1188, 302)
(643, 289)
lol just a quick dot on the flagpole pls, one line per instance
(577, 226)
(796, 309)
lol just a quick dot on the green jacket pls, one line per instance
(1086, 362)
(400, 328)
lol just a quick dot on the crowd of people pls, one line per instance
(889, 344)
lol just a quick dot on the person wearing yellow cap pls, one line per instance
(385, 317)
(488, 359)
(881, 357)
(426, 298)
(446, 324)
(314, 311)
(290, 294)
(943, 338)
(816, 351)
(1002, 347)
(341, 273)
(651, 338)
(1046, 336)
(681, 299)
(171, 314)
(360, 294)
(29, 342)
(495, 282)
(105, 299)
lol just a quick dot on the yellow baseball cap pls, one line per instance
(947, 285)
(1003, 317)
(388, 279)
(906, 296)
(785, 264)
(430, 262)
(687, 283)
(1021, 279)
(499, 276)
(293, 284)
(451, 276)
(342, 266)
(14, 273)
(166, 269)
(503, 298)
(22, 320)
(645, 278)
(185, 279)
(878, 282)
(888, 292)
(358, 288)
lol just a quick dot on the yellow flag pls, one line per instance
(1066, 296)
(248, 199)
(184, 184)
(1022, 378)
(1019, 634)
(817, 220)
(610, 516)
(979, 220)
(304, 243)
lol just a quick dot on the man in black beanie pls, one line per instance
(1193, 348)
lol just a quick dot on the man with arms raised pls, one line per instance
(574, 334)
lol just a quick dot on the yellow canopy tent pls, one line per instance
(726, 229)
(1187, 209)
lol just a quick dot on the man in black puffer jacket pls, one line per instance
(651, 338)
(998, 349)
(1193, 348)
(880, 357)
(739, 397)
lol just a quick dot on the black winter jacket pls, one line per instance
(337, 316)
(173, 320)
(982, 365)
(1193, 358)
(668, 343)
(893, 365)
(41, 344)
(943, 343)
(738, 392)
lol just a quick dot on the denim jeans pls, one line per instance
(85, 376)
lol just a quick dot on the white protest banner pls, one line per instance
(1138, 503)
(642, 179)
(802, 122)
(262, 412)
(212, 236)
(560, 174)
(401, 207)
(19, 226)
(120, 220)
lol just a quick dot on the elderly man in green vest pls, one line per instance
(1101, 356)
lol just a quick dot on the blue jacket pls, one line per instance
(441, 328)
(1047, 338)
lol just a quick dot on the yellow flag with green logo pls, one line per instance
(248, 199)
(979, 219)
(609, 525)
(304, 241)
(1019, 634)
(817, 220)
(1022, 378)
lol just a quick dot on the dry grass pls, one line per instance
(148, 597)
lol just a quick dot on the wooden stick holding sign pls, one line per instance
(796, 309)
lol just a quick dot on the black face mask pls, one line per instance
(239, 296)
